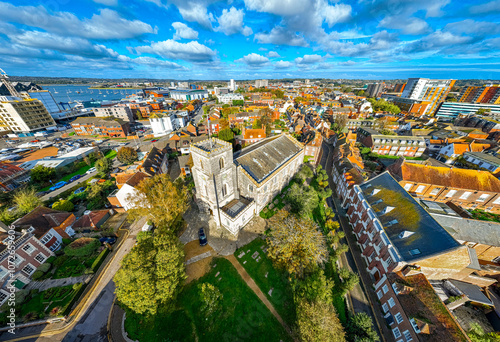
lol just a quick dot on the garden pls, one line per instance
(217, 307)
(482, 215)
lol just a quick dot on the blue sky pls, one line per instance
(249, 39)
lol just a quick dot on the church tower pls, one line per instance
(214, 174)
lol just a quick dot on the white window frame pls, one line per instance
(46, 238)
(30, 250)
(42, 256)
(3, 272)
(420, 189)
(482, 198)
(379, 294)
(385, 288)
(396, 332)
(408, 186)
(407, 335)
(435, 191)
(465, 195)
(385, 307)
(398, 317)
(31, 266)
(5, 294)
(451, 193)
(391, 302)
(18, 260)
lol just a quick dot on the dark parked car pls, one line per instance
(202, 237)
(108, 239)
(79, 190)
(74, 178)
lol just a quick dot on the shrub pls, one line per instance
(21, 296)
(44, 267)
(60, 260)
(98, 261)
(37, 275)
(66, 241)
(82, 247)
(63, 205)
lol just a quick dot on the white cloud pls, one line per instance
(191, 51)
(254, 60)
(280, 36)
(107, 2)
(283, 64)
(308, 59)
(231, 22)
(472, 27)
(412, 25)
(192, 10)
(156, 62)
(279, 7)
(273, 54)
(486, 8)
(347, 63)
(262, 49)
(182, 31)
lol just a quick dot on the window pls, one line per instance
(399, 317)
(46, 238)
(221, 163)
(389, 261)
(407, 186)
(391, 302)
(250, 188)
(18, 260)
(3, 296)
(407, 335)
(435, 191)
(224, 190)
(385, 308)
(201, 164)
(40, 258)
(3, 272)
(385, 288)
(29, 269)
(420, 188)
(379, 294)
(396, 332)
(483, 197)
(55, 246)
(28, 248)
(451, 193)
(465, 195)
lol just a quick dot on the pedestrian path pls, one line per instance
(50, 283)
(251, 283)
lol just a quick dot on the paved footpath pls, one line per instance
(50, 283)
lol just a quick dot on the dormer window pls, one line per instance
(405, 234)
(391, 223)
(386, 210)
(374, 192)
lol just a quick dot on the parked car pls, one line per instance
(202, 237)
(35, 141)
(74, 178)
(42, 193)
(79, 190)
(154, 140)
(108, 239)
(58, 185)
(91, 170)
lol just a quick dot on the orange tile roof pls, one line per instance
(254, 133)
(460, 148)
(450, 177)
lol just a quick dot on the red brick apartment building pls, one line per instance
(470, 189)
(393, 145)
(105, 127)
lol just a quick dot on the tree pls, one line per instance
(210, 297)
(476, 334)
(257, 124)
(26, 200)
(126, 155)
(295, 244)
(158, 199)
(266, 119)
(63, 205)
(226, 134)
(341, 121)
(151, 274)
(40, 174)
(223, 123)
(305, 172)
(103, 166)
(360, 328)
(349, 280)
(318, 322)
(303, 199)
(315, 287)
(97, 193)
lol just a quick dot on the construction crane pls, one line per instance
(5, 80)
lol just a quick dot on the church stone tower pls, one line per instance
(214, 174)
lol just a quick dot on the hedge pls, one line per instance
(100, 258)
(79, 288)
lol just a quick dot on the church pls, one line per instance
(236, 187)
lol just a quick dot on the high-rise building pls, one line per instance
(399, 87)
(48, 101)
(261, 83)
(23, 115)
(424, 90)
(486, 94)
(232, 85)
(375, 89)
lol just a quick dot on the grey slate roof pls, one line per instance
(427, 237)
(473, 292)
(483, 232)
(263, 158)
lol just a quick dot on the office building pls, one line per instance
(189, 94)
(163, 122)
(116, 128)
(232, 85)
(229, 98)
(450, 110)
(261, 83)
(426, 91)
(374, 89)
(399, 87)
(48, 101)
(23, 115)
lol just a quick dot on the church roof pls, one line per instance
(261, 159)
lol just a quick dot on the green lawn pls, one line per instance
(42, 303)
(241, 317)
(73, 266)
(482, 215)
(267, 277)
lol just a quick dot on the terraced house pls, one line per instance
(392, 145)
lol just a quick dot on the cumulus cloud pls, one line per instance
(108, 24)
(254, 60)
(171, 49)
(486, 8)
(280, 36)
(412, 25)
(231, 22)
(273, 54)
(192, 10)
(283, 65)
(382, 40)
(347, 63)
(182, 31)
(156, 62)
(472, 27)
(308, 59)
(436, 41)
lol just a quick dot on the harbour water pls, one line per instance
(70, 94)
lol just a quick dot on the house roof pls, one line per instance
(42, 219)
(136, 179)
(473, 292)
(99, 121)
(411, 229)
(8, 170)
(263, 158)
(254, 133)
(484, 156)
(91, 219)
(450, 177)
